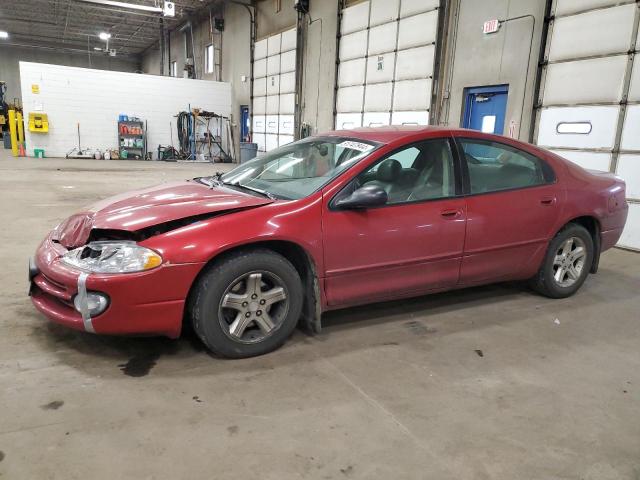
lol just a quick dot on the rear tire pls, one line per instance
(248, 304)
(566, 263)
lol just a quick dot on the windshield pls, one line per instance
(298, 169)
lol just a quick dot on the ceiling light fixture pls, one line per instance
(132, 6)
(104, 36)
(3, 34)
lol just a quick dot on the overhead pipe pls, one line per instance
(215, 74)
(183, 29)
(88, 51)
(184, 26)
(168, 47)
(193, 53)
(187, 29)
(162, 48)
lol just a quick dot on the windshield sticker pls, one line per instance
(361, 147)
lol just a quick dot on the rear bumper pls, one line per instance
(610, 238)
(614, 222)
(146, 303)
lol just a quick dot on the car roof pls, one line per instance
(391, 133)
(396, 133)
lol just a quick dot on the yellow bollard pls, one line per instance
(20, 128)
(13, 133)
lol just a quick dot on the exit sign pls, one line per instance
(491, 26)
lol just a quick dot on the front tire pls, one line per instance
(247, 304)
(566, 264)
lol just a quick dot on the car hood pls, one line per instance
(140, 209)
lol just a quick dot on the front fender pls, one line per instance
(297, 221)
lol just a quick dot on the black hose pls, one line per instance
(183, 134)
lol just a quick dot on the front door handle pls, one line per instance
(548, 201)
(451, 213)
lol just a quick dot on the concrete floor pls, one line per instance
(487, 383)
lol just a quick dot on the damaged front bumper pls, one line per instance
(144, 303)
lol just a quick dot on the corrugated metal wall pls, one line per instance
(387, 50)
(274, 72)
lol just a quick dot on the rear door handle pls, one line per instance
(548, 201)
(451, 213)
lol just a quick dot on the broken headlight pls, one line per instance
(112, 257)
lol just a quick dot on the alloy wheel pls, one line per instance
(569, 262)
(253, 307)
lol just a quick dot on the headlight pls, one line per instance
(112, 257)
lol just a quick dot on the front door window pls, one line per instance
(423, 171)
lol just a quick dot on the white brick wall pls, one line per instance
(95, 98)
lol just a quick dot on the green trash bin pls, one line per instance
(38, 152)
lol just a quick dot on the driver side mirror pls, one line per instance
(368, 196)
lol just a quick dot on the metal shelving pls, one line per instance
(132, 139)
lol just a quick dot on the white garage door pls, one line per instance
(274, 85)
(387, 50)
(591, 93)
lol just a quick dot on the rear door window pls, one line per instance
(495, 166)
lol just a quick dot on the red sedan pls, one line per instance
(341, 219)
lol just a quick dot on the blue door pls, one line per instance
(245, 123)
(485, 108)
